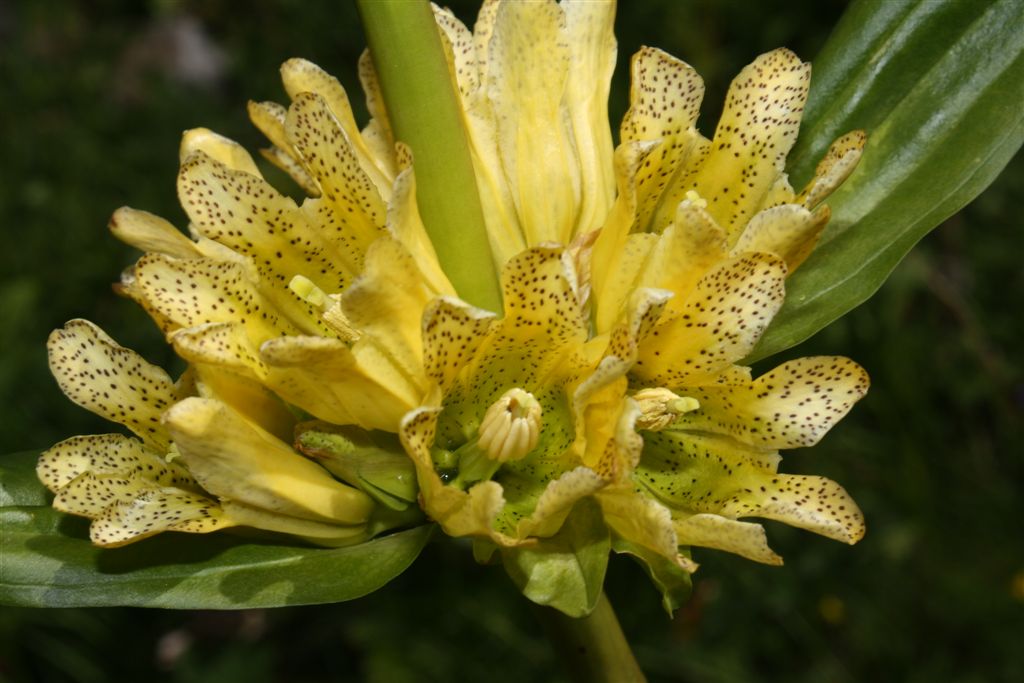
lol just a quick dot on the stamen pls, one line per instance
(660, 407)
(308, 292)
(511, 427)
(329, 305)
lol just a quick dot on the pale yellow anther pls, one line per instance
(329, 305)
(696, 200)
(660, 407)
(308, 292)
(511, 427)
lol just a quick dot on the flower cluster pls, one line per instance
(338, 385)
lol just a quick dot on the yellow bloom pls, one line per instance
(198, 464)
(634, 280)
(658, 290)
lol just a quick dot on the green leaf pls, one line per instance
(565, 571)
(939, 87)
(674, 582)
(46, 560)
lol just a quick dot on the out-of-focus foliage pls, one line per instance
(93, 105)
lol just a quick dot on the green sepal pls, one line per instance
(565, 571)
(48, 561)
(674, 582)
(939, 88)
(485, 551)
(374, 463)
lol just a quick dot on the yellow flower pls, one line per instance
(198, 464)
(634, 279)
(626, 312)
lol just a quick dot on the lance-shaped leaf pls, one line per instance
(938, 85)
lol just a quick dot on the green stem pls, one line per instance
(593, 647)
(425, 114)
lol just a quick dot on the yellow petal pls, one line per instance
(269, 118)
(543, 325)
(301, 76)
(592, 49)
(107, 454)
(452, 332)
(714, 531)
(355, 202)
(339, 384)
(224, 344)
(665, 95)
(622, 452)
(235, 459)
(405, 223)
(527, 66)
(718, 325)
(116, 383)
(245, 213)
(247, 396)
(616, 286)
(686, 250)
(614, 269)
(557, 501)
(468, 53)
(153, 511)
(189, 293)
(377, 133)
(792, 406)
(642, 520)
(697, 473)
(757, 129)
(461, 51)
(386, 305)
(789, 231)
(597, 404)
(218, 147)
(287, 163)
(645, 308)
(835, 167)
(813, 503)
(315, 532)
(149, 232)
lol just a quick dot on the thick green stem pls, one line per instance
(425, 114)
(593, 648)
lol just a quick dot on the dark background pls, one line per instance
(93, 98)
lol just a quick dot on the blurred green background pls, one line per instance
(93, 98)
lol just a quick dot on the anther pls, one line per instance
(660, 407)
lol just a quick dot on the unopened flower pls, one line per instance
(634, 279)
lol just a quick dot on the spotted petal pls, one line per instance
(116, 383)
(714, 531)
(154, 511)
(718, 325)
(301, 76)
(696, 473)
(665, 95)
(757, 129)
(792, 406)
(148, 232)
